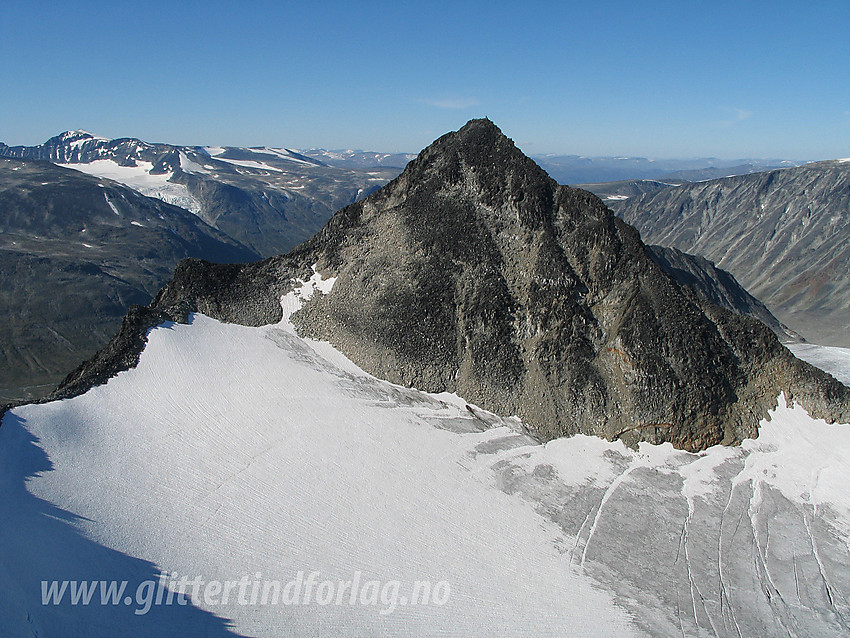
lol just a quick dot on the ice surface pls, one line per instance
(260, 166)
(139, 179)
(111, 205)
(282, 153)
(831, 359)
(189, 166)
(232, 451)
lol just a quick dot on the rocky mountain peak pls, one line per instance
(479, 162)
(481, 146)
(474, 272)
(77, 134)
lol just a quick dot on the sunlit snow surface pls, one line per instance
(139, 179)
(833, 359)
(233, 451)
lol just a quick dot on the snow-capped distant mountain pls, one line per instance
(269, 199)
(74, 147)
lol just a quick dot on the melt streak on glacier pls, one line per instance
(233, 451)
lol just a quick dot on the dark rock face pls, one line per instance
(784, 234)
(718, 286)
(247, 294)
(476, 273)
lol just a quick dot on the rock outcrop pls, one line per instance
(474, 272)
(784, 234)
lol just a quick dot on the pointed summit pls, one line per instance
(482, 146)
(474, 272)
(484, 164)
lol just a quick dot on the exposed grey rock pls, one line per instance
(720, 287)
(784, 234)
(474, 272)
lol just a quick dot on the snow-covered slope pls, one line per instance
(233, 451)
(141, 179)
(831, 359)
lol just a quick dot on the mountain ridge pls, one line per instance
(522, 325)
(267, 199)
(474, 272)
(719, 286)
(784, 234)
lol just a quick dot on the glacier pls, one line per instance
(233, 451)
(140, 179)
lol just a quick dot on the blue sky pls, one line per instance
(656, 79)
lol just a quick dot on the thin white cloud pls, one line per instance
(735, 115)
(454, 103)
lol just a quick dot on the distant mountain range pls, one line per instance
(784, 234)
(266, 198)
(75, 252)
(576, 169)
(271, 199)
(366, 160)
